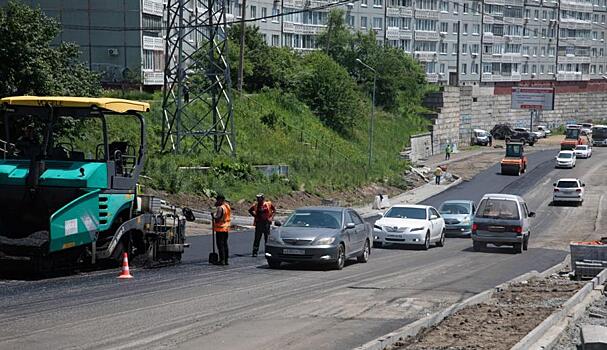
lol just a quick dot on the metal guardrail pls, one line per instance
(4, 148)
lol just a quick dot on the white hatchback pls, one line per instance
(583, 151)
(565, 159)
(568, 190)
(410, 224)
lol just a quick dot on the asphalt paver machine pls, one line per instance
(69, 187)
(515, 161)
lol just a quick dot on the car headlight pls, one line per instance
(274, 239)
(416, 229)
(377, 227)
(324, 241)
(466, 220)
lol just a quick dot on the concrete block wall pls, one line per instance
(460, 109)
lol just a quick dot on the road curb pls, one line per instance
(416, 327)
(546, 334)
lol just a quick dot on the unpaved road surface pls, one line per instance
(502, 321)
(248, 306)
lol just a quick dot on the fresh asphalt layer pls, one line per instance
(248, 306)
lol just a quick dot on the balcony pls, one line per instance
(153, 43)
(569, 23)
(399, 12)
(297, 28)
(571, 76)
(424, 56)
(489, 77)
(426, 14)
(432, 77)
(153, 78)
(427, 35)
(153, 7)
(573, 59)
(576, 6)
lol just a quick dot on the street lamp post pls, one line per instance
(371, 124)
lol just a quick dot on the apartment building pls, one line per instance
(464, 42)
(121, 39)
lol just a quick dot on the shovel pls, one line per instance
(213, 257)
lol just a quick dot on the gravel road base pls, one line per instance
(596, 314)
(500, 322)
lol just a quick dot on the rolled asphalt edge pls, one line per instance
(418, 326)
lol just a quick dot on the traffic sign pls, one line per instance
(532, 98)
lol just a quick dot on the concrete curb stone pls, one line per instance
(414, 328)
(544, 336)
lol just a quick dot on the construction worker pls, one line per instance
(221, 225)
(263, 212)
(438, 173)
(448, 152)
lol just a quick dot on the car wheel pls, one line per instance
(476, 246)
(518, 248)
(526, 243)
(274, 264)
(341, 258)
(364, 256)
(427, 241)
(441, 241)
(377, 244)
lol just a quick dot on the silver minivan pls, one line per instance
(502, 219)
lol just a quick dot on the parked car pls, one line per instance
(565, 159)
(501, 131)
(587, 128)
(543, 129)
(320, 234)
(524, 135)
(410, 224)
(568, 190)
(583, 151)
(502, 219)
(458, 215)
(479, 137)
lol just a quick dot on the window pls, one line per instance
(455, 7)
(525, 68)
(535, 51)
(474, 68)
(533, 69)
(426, 24)
(264, 12)
(454, 48)
(498, 209)
(541, 69)
(543, 51)
(364, 3)
(350, 20)
(601, 69)
(444, 27)
(464, 49)
(425, 46)
(487, 67)
(595, 35)
(476, 28)
(593, 69)
(253, 11)
(442, 68)
(544, 15)
(264, 36)
(275, 12)
(536, 14)
(377, 3)
(525, 51)
(465, 28)
(444, 6)
(455, 28)
(444, 47)
(377, 22)
(426, 4)
(513, 48)
(550, 69)
(363, 22)
(474, 48)
(465, 8)
(551, 51)
(543, 32)
(275, 40)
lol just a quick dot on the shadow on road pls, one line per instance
(496, 250)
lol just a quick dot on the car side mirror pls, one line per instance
(554, 184)
(277, 223)
(350, 226)
(189, 215)
(532, 214)
(583, 185)
(380, 214)
(433, 217)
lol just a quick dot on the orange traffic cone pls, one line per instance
(125, 267)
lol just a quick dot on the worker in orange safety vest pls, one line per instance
(263, 212)
(221, 225)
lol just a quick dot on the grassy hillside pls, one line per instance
(276, 128)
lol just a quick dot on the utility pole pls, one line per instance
(243, 12)
(457, 58)
(372, 122)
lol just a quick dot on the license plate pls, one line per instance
(497, 228)
(394, 236)
(294, 251)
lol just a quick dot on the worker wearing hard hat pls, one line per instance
(263, 212)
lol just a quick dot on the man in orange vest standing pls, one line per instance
(221, 225)
(263, 212)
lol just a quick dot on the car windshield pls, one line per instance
(492, 208)
(315, 219)
(455, 208)
(572, 133)
(567, 184)
(480, 133)
(565, 155)
(581, 148)
(406, 213)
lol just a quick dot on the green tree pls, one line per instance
(330, 92)
(28, 63)
(336, 40)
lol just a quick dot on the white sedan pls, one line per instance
(410, 224)
(583, 151)
(568, 190)
(565, 159)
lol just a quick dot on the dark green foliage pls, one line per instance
(29, 65)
